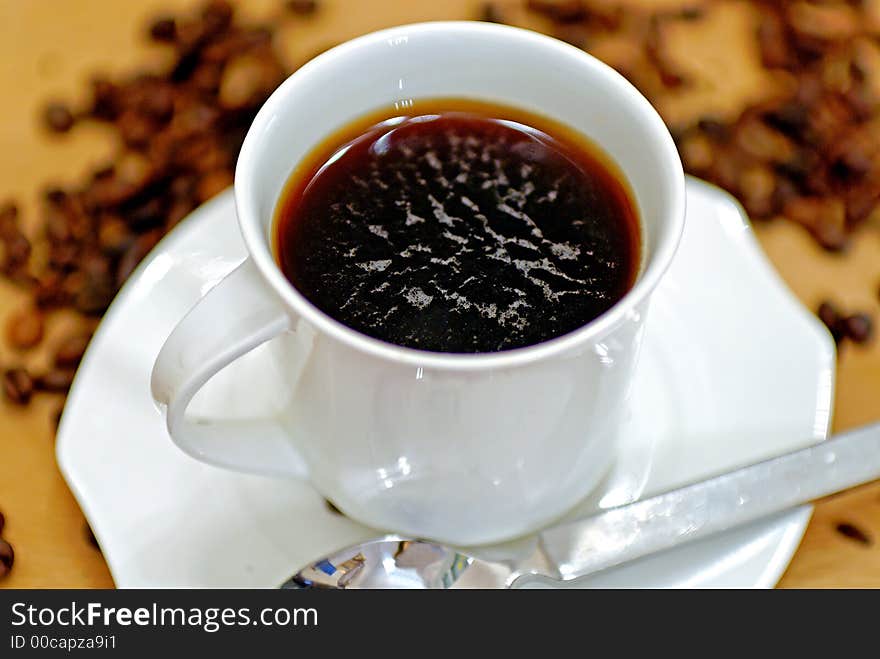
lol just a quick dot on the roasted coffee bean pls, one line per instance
(57, 226)
(697, 152)
(247, 78)
(850, 167)
(18, 386)
(158, 104)
(104, 173)
(656, 55)
(106, 99)
(63, 256)
(858, 327)
(714, 128)
(258, 38)
(135, 254)
(24, 329)
(95, 290)
(219, 51)
(108, 192)
(145, 215)
(853, 532)
(200, 154)
(691, 13)
(135, 129)
(49, 291)
(302, 7)
(7, 558)
(55, 196)
(114, 235)
(8, 220)
(78, 223)
(178, 210)
(824, 217)
(70, 351)
(90, 536)
(773, 41)
(183, 187)
(58, 117)
(206, 78)
(18, 251)
(216, 16)
(56, 380)
(67, 223)
(191, 36)
(859, 206)
(760, 141)
(757, 187)
(830, 315)
(163, 30)
(491, 13)
(823, 21)
(574, 33)
(563, 11)
(832, 238)
(196, 120)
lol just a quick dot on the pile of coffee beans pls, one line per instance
(856, 327)
(181, 131)
(7, 555)
(812, 154)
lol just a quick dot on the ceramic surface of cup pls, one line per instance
(467, 449)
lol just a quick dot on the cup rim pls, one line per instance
(260, 250)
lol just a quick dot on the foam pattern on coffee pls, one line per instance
(478, 237)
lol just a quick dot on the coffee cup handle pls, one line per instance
(233, 318)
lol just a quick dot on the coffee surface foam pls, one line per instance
(457, 233)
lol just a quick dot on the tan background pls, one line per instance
(49, 48)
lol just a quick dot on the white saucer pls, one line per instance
(733, 370)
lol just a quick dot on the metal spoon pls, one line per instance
(614, 536)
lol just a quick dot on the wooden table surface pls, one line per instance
(49, 48)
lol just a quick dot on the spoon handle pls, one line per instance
(622, 534)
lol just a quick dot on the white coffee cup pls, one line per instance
(466, 449)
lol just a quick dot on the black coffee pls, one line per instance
(459, 227)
